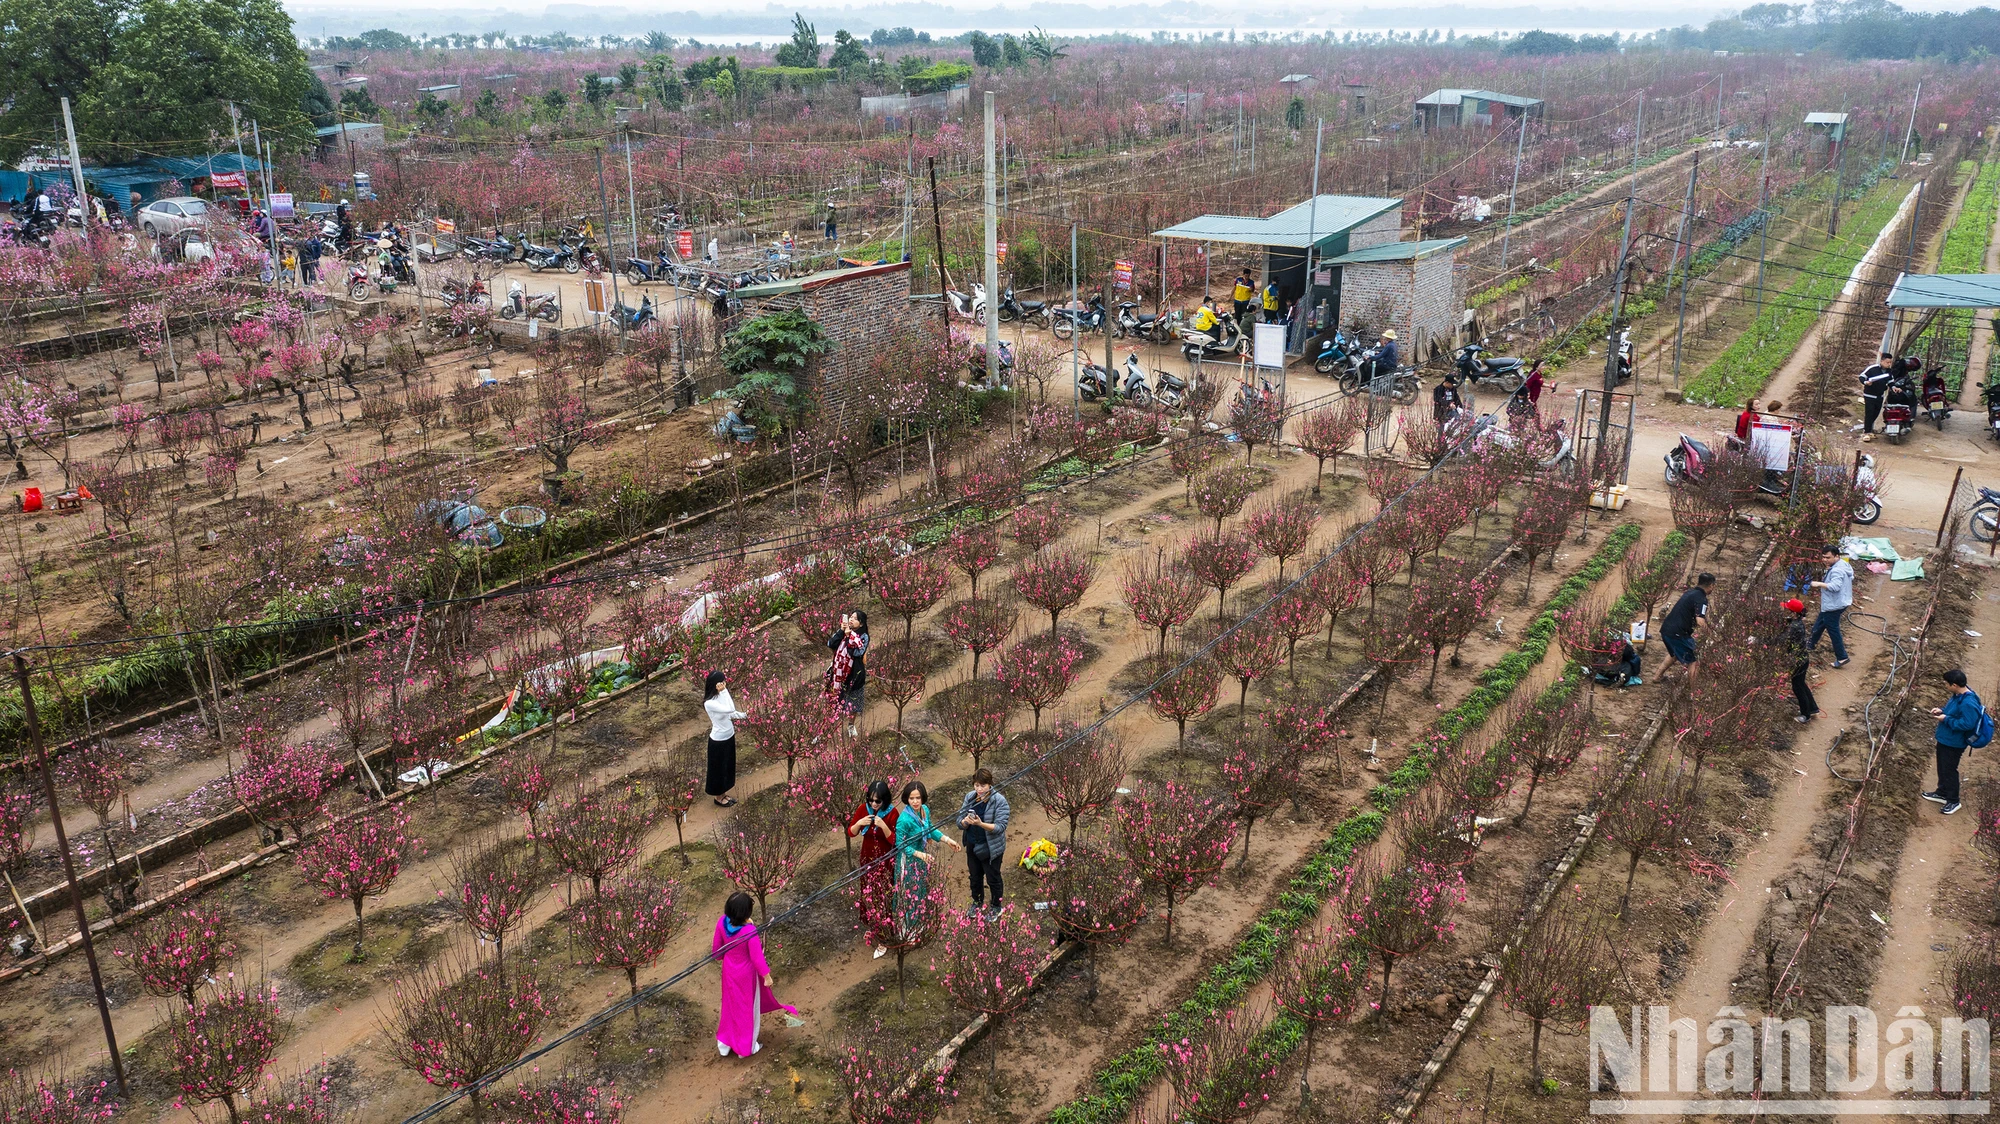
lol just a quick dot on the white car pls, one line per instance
(163, 218)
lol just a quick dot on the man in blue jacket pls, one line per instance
(1836, 593)
(1957, 719)
(983, 818)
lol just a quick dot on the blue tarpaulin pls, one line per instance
(147, 177)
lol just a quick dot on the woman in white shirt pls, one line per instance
(722, 716)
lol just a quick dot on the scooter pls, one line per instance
(1502, 372)
(1985, 515)
(1899, 411)
(1227, 341)
(639, 271)
(1624, 355)
(548, 306)
(1337, 357)
(1066, 322)
(1132, 322)
(562, 254)
(1936, 406)
(473, 292)
(975, 362)
(1689, 462)
(1868, 508)
(632, 319)
(1167, 389)
(494, 249)
(358, 282)
(969, 306)
(1012, 309)
(1991, 392)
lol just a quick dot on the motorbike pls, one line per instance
(454, 293)
(1167, 388)
(1899, 411)
(548, 306)
(639, 271)
(358, 282)
(1132, 322)
(1066, 322)
(1338, 357)
(1869, 508)
(1985, 515)
(1936, 406)
(632, 319)
(1012, 309)
(1689, 462)
(1227, 341)
(975, 362)
(1624, 355)
(562, 254)
(393, 263)
(1502, 372)
(494, 249)
(1992, 395)
(1562, 455)
(970, 306)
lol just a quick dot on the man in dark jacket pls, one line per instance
(983, 817)
(1445, 400)
(1798, 645)
(1957, 719)
(1688, 616)
(1874, 384)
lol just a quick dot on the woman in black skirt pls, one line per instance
(722, 716)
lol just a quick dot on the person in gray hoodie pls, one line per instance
(1836, 593)
(983, 819)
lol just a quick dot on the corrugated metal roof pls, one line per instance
(1397, 251)
(1293, 227)
(813, 281)
(1826, 118)
(1946, 290)
(1454, 97)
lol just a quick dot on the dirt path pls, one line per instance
(1920, 938)
(1785, 385)
(1718, 954)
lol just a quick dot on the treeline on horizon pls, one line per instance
(1856, 29)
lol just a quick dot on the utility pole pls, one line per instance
(1312, 221)
(937, 226)
(69, 871)
(76, 175)
(1763, 233)
(1076, 329)
(1839, 175)
(1910, 130)
(604, 205)
(1687, 266)
(1618, 299)
(631, 197)
(992, 256)
(1507, 231)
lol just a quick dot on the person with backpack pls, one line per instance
(1796, 637)
(1962, 724)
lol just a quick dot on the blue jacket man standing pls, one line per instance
(1836, 593)
(1957, 719)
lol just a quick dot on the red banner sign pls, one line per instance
(1121, 275)
(1000, 251)
(684, 243)
(236, 180)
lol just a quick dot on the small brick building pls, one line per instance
(1364, 277)
(1414, 287)
(854, 307)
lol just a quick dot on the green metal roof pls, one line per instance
(1946, 290)
(1397, 251)
(1293, 227)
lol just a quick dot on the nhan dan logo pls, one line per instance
(1649, 1063)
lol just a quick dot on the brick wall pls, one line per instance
(1421, 300)
(854, 313)
(1377, 231)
